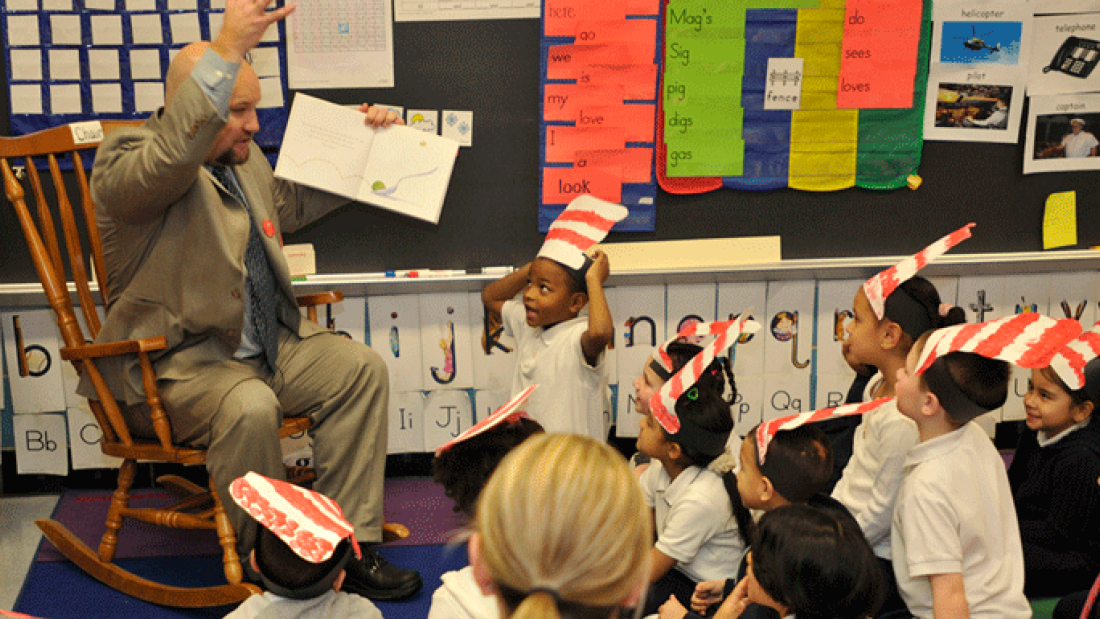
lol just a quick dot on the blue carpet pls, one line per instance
(60, 589)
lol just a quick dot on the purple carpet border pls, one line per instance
(417, 503)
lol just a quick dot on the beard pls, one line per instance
(230, 158)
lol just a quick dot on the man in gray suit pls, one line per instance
(191, 219)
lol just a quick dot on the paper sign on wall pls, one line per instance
(35, 376)
(639, 327)
(447, 414)
(395, 335)
(84, 437)
(406, 431)
(493, 369)
(445, 341)
(40, 444)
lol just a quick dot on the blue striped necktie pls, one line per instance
(261, 281)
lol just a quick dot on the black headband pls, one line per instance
(952, 399)
(908, 313)
(659, 370)
(310, 591)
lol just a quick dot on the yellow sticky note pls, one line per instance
(1060, 220)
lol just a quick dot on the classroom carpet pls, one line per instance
(54, 587)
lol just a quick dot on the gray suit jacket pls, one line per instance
(174, 241)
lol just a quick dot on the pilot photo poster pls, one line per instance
(978, 73)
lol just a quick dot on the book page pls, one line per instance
(326, 146)
(408, 172)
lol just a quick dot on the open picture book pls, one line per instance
(328, 147)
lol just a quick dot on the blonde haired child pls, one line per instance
(562, 530)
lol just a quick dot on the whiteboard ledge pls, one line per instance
(374, 284)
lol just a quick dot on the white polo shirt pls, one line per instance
(459, 597)
(869, 485)
(1079, 145)
(572, 395)
(695, 524)
(955, 515)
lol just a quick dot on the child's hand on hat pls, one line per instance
(600, 269)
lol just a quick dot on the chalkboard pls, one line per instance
(490, 214)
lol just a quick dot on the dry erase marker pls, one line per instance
(496, 270)
(443, 273)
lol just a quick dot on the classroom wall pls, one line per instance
(489, 217)
(793, 364)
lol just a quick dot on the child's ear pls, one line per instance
(930, 404)
(891, 334)
(577, 302)
(252, 561)
(767, 490)
(477, 564)
(675, 452)
(1082, 411)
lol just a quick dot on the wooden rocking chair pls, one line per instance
(197, 507)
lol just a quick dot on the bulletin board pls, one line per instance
(490, 215)
(76, 60)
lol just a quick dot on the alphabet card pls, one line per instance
(689, 304)
(298, 448)
(395, 335)
(40, 444)
(788, 327)
(445, 341)
(748, 404)
(611, 356)
(785, 394)
(406, 418)
(347, 318)
(834, 314)
(1073, 295)
(788, 333)
(447, 413)
(641, 323)
(1027, 294)
(748, 356)
(485, 402)
(493, 351)
(84, 436)
(983, 298)
(34, 362)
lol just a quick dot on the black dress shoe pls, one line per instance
(374, 578)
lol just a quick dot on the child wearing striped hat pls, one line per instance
(955, 537)
(700, 522)
(1053, 473)
(556, 346)
(891, 310)
(302, 546)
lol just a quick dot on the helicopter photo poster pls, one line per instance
(1065, 55)
(978, 75)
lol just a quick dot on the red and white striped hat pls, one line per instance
(694, 329)
(765, 432)
(663, 403)
(509, 412)
(881, 286)
(585, 222)
(310, 523)
(1028, 340)
(1069, 363)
